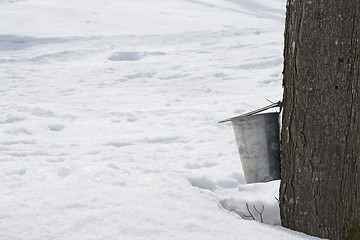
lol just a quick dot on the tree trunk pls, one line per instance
(320, 136)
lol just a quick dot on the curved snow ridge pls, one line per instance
(147, 140)
(213, 182)
(12, 42)
(68, 55)
(262, 64)
(118, 144)
(206, 164)
(203, 182)
(139, 75)
(11, 38)
(259, 199)
(12, 1)
(161, 139)
(20, 142)
(132, 56)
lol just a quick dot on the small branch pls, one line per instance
(252, 216)
(260, 212)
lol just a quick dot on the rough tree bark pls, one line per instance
(320, 137)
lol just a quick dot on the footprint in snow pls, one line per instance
(18, 172)
(132, 56)
(19, 131)
(12, 119)
(117, 144)
(63, 172)
(220, 75)
(56, 127)
(55, 160)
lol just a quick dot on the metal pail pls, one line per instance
(257, 138)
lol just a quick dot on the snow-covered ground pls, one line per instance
(109, 111)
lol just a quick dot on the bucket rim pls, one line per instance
(242, 118)
(256, 112)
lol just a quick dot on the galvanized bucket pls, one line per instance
(258, 142)
(257, 139)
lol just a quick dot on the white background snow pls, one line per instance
(109, 111)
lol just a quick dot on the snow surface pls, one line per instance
(109, 111)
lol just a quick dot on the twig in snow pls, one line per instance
(260, 212)
(252, 216)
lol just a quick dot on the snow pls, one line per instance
(109, 111)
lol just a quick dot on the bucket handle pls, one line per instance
(277, 104)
